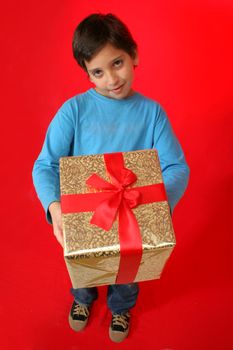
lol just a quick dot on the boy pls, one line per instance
(108, 118)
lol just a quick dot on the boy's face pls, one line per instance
(112, 72)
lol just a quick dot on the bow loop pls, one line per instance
(97, 182)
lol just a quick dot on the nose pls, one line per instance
(112, 79)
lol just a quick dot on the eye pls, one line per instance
(98, 73)
(118, 63)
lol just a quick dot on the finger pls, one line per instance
(59, 236)
(60, 240)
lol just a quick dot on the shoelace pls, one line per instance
(121, 320)
(81, 310)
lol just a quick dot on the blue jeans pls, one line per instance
(120, 297)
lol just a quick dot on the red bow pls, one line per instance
(106, 212)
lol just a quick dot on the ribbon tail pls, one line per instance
(105, 213)
(130, 245)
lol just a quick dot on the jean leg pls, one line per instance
(122, 297)
(84, 295)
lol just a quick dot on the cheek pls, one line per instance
(97, 82)
(100, 84)
(92, 80)
(129, 73)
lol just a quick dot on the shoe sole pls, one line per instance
(77, 326)
(117, 337)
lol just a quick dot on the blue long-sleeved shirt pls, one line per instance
(91, 123)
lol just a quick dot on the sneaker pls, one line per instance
(78, 316)
(119, 327)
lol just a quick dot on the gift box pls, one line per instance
(116, 219)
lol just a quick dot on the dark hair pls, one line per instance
(95, 31)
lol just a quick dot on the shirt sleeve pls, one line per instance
(58, 143)
(174, 168)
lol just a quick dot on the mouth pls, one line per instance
(117, 90)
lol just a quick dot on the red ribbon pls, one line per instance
(119, 200)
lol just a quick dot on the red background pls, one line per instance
(185, 50)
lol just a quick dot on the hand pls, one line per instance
(55, 211)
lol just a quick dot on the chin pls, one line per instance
(117, 97)
(120, 96)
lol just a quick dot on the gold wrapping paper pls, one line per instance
(91, 254)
